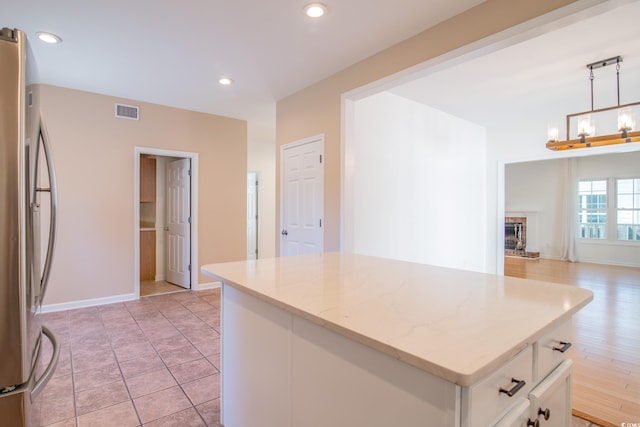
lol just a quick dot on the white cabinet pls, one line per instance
(551, 399)
(549, 402)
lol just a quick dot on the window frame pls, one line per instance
(593, 211)
(635, 211)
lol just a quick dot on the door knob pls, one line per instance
(284, 233)
(546, 413)
(166, 229)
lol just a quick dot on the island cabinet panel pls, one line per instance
(339, 382)
(291, 372)
(256, 362)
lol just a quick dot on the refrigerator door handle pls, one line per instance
(53, 194)
(34, 386)
(48, 373)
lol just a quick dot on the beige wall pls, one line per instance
(261, 158)
(317, 109)
(94, 155)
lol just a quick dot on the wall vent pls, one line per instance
(130, 112)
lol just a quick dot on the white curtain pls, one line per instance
(569, 211)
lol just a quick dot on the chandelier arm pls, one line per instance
(591, 81)
(618, 79)
(599, 110)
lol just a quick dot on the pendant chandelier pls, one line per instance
(584, 122)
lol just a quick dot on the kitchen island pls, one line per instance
(350, 340)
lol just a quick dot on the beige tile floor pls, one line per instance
(152, 362)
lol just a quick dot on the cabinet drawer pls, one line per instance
(518, 416)
(548, 350)
(485, 400)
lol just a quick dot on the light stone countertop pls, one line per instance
(458, 325)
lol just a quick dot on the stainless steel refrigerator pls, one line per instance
(28, 207)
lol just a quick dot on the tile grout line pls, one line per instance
(73, 374)
(193, 405)
(164, 364)
(167, 367)
(126, 386)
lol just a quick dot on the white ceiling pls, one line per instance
(172, 53)
(545, 76)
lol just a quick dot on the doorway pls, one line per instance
(302, 200)
(165, 221)
(252, 215)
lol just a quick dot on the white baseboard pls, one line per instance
(210, 285)
(50, 308)
(609, 262)
(591, 261)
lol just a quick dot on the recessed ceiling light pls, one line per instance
(49, 37)
(315, 10)
(225, 81)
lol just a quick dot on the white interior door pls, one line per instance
(178, 241)
(252, 215)
(302, 194)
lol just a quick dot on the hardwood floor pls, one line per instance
(606, 351)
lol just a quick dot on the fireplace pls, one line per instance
(515, 237)
(515, 233)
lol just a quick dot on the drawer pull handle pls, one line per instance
(565, 346)
(546, 413)
(515, 388)
(534, 423)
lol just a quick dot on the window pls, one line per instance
(592, 209)
(628, 208)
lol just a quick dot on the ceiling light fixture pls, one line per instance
(315, 10)
(49, 38)
(225, 81)
(585, 122)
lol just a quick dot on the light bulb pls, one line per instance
(585, 126)
(315, 10)
(553, 133)
(626, 120)
(49, 37)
